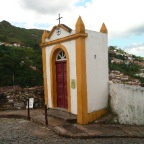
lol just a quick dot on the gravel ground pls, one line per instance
(19, 131)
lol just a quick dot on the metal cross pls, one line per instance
(59, 18)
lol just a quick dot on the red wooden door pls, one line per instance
(61, 84)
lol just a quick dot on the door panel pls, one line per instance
(61, 84)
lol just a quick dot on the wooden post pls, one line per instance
(46, 118)
(28, 110)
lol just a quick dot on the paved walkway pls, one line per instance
(75, 130)
(20, 131)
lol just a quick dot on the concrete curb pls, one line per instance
(87, 136)
(59, 130)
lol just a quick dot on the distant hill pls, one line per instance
(125, 68)
(25, 37)
(20, 56)
(22, 65)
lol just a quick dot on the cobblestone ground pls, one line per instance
(19, 131)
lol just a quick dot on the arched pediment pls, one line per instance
(62, 26)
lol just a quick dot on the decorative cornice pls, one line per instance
(64, 39)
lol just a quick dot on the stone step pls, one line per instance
(62, 114)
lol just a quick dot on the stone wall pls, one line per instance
(16, 97)
(127, 102)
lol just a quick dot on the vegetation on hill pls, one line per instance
(131, 68)
(25, 37)
(23, 65)
(20, 65)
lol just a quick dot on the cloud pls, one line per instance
(119, 16)
(136, 49)
(47, 6)
(137, 30)
(122, 17)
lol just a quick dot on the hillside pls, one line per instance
(21, 62)
(20, 66)
(20, 56)
(24, 37)
(125, 68)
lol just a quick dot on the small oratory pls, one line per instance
(75, 69)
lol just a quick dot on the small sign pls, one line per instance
(31, 102)
(73, 84)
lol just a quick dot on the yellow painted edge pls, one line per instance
(82, 106)
(66, 29)
(53, 75)
(53, 79)
(81, 81)
(97, 114)
(55, 27)
(51, 32)
(64, 39)
(44, 36)
(45, 76)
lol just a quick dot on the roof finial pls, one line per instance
(80, 27)
(103, 29)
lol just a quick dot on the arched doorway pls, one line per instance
(57, 57)
(61, 79)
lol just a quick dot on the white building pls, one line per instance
(75, 68)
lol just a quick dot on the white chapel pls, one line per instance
(75, 70)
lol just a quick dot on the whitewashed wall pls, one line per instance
(128, 103)
(70, 46)
(97, 70)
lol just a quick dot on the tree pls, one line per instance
(18, 62)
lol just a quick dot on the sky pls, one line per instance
(123, 18)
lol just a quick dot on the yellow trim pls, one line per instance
(97, 114)
(45, 76)
(53, 75)
(44, 36)
(51, 32)
(81, 75)
(54, 28)
(103, 29)
(83, 117)
(60, 25)
(64, 39)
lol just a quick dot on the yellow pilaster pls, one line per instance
(81, 74)
(45, 34)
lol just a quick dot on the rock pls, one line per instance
(17, 99)
(19, 105)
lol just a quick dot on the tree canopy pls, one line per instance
(20, 66)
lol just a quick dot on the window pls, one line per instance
(60, 56)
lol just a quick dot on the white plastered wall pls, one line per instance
(97, 70)
(70, 46)
(127, 102)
